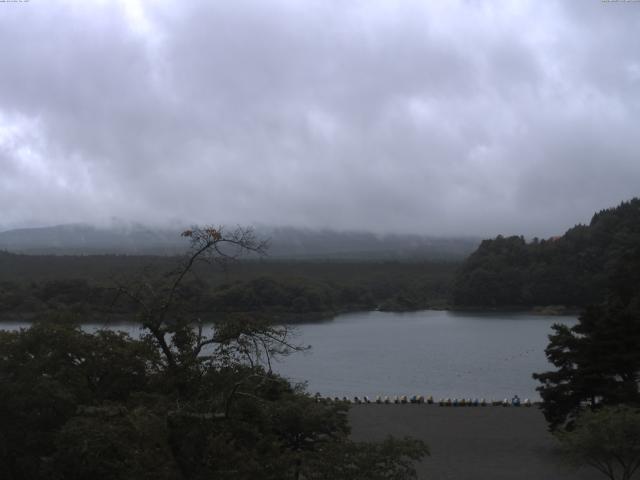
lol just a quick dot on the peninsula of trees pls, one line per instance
(571, 270)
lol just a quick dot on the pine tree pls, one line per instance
(598, 359)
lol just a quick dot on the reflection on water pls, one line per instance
(444, 354)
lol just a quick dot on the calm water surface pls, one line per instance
(444, 354)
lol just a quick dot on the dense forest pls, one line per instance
(571, 270)
(32, 285)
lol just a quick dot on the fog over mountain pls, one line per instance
(465, 117)
(287, 242)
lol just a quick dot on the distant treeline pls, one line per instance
(572, 270)
(283, 290)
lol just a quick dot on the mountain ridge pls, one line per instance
(285, 242)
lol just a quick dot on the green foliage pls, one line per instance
(180, 403)
(607, 440)
(75, 405)
(49, 370)
(570, 270)
(113, 442)
(284, 291)
(598, 359)
(386, 460)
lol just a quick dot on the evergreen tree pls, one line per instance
(598, 359)
(571, 270)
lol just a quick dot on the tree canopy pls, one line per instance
(573, 269)
(181, 402)
(607, 440)
(598, 359)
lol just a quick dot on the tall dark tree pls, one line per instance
(598, 359)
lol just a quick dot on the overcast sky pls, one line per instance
(456, 117)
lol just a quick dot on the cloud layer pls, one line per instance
(465, 117)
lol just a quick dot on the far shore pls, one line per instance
(547, 310)
(308, 317)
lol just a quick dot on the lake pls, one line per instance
(439, 353)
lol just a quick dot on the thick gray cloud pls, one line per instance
(465, 117)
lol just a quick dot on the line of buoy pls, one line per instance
(419, 399)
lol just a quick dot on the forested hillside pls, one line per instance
(285, 290)
(571, 270)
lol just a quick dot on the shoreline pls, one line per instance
(290, 318)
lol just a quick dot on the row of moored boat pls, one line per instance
(443, 402)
